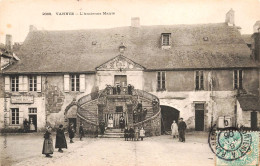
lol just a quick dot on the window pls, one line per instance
(199, 80)
(166, 39)
(15, 115)
(32, 110)
(32, 83)
(238, 79)
(15, 83)
(161, 81)
(74, 82)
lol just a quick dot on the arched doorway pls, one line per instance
(168, 115)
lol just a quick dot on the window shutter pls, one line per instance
(39, 83)
(21, 83)
(7, 84)
(25, 84)
(82, 81)
(66, 83)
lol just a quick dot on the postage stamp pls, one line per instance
(235, 147)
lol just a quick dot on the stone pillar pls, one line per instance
(130, 114)
(100, 112)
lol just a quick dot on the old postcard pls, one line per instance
(131, 83)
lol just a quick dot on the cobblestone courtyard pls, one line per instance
(23, 150)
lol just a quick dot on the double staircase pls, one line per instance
(89, 105)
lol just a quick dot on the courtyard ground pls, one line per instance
(25, 150)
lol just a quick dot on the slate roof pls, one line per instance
(73, 51)
(249, 103)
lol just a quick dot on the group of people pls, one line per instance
(134, 134)
(61, 142)
(178, 130)
(28, 126)
(117, 89)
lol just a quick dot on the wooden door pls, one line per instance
(254, 120)
(199, 117)
(121, 80)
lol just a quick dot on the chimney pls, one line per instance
(230, 18)
(32, 28)
(256, 27)
(135, 22)
(8, 42)
(256, 41)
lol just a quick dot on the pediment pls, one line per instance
(120, 63)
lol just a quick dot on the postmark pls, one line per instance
(234, 146)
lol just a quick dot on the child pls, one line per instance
(136, 134)
(142, 133)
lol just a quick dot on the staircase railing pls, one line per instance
(101, 96)
(90, 97)
(148, 96)
(86, 119)
(147, 120)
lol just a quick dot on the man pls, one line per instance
(155, 105)
(118, 89)
(60, 139)
(181, 128)
(129, 89)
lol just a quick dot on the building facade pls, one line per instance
(203, 73)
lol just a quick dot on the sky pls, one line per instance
(17, 15)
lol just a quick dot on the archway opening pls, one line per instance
(168, 115)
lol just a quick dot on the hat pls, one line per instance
(181, 118)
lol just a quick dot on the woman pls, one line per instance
(60, 139)
(71, 132)
(174, 129)
(81, 131)
(122, 123)
(142, 133)
(110, 122)
(32, 126)
(47, 144)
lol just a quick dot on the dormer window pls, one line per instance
(205, 38)
(166, 42)
(166, 39)
(122, 47)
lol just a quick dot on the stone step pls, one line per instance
(110, 136)
(113, 131)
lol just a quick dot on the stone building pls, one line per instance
(204, 73)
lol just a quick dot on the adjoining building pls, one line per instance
(203, 73)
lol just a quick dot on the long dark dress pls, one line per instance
(122, 123)
(71, 132)
(102, 127)
(47, 144)
(81, 131)
(131, 133)
(126, 134)
(60, 139)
